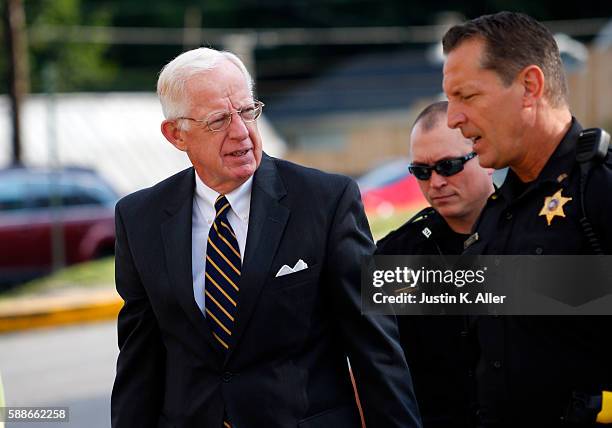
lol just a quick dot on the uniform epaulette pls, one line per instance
(408, 225)
(422, 215)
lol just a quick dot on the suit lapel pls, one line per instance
(267, 221)
(176, 235)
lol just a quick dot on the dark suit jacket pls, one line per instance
(286, 366)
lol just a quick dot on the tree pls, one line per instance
(78, 66)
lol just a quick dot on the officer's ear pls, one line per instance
(532, 80)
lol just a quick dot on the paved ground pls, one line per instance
(63, 366)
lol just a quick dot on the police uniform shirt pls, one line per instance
(436, 347)
(529, 366)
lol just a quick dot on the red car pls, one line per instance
(52, 218)
(390, 189)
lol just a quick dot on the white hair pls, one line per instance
(175, 74)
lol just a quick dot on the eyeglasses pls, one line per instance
(445, 168)
(220, 120)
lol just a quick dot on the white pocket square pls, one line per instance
(286, 270)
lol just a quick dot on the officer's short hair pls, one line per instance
(431, 115)
(514, 41)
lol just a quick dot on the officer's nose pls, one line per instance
(455, 117)
(436, 180)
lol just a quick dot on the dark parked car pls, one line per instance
(73, 204)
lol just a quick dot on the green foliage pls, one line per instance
(88, 66)
(77, 66)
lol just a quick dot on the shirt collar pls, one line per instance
(558, 166)
(239, 198)
(563, 158)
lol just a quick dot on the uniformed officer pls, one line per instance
(438, 348)
(507, 92)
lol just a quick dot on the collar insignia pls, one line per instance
(472, 239)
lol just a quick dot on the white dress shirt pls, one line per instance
(202, 218)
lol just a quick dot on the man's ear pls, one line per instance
(174, 134)
(532, 80)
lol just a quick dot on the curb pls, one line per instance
(67, 308)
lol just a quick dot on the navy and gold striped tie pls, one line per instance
(222, 275)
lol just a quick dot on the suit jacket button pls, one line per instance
(227, 376)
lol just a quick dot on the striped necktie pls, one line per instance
(222, 275)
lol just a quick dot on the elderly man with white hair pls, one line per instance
(240, 278)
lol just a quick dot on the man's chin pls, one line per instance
(447, 210)
(244, 172)
(488, 160)
(484, 161)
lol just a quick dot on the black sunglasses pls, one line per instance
(445, 168)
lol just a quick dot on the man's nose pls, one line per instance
(455, 117)
(238, 129)
(436, 180)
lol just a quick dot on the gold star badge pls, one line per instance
(553, 206)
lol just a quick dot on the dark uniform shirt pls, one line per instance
(437, 348)
(529, 366)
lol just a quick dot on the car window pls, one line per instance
(384, 174)
(91, 190)
(75, 194)
(12, 194)
(44, 190)
(69, 193)
(37, 190)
